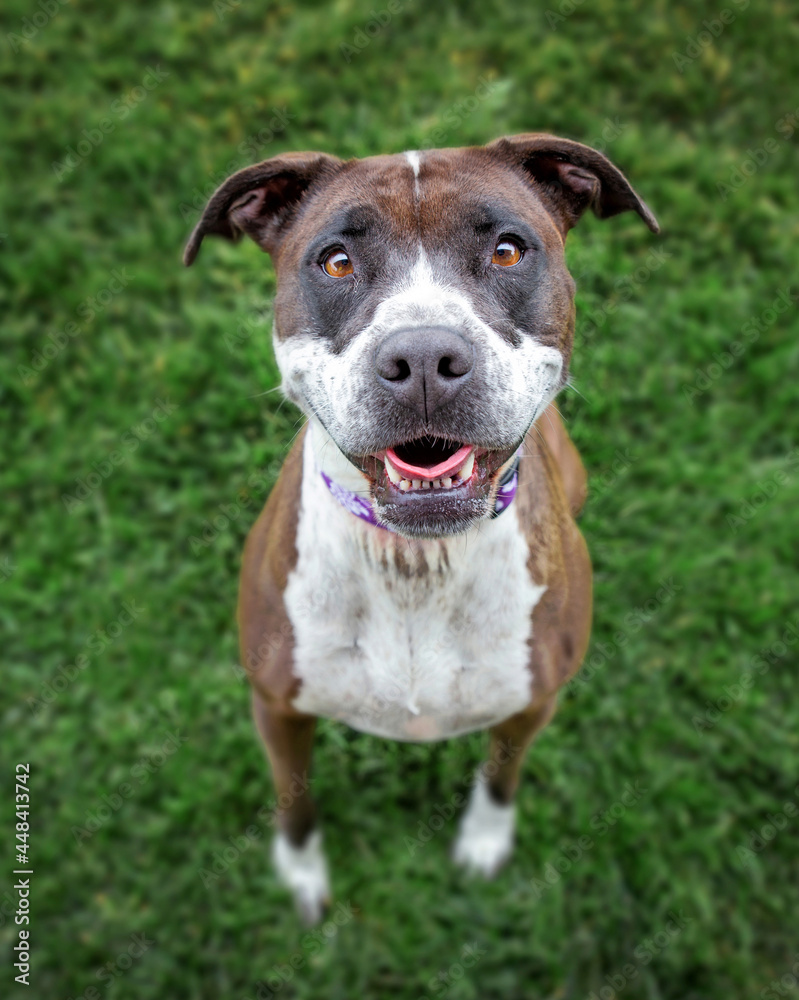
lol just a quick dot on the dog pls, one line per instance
(417, 572)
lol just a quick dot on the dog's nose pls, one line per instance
(424, 368)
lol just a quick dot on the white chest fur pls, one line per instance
(413, 640)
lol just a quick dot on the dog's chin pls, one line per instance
(430, 517)
(449, 489)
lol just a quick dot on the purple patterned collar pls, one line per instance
(361, 508)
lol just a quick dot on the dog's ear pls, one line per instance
(571, 177)
(260, 200)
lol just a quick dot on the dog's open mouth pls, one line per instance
(434, 486)
(429, 464)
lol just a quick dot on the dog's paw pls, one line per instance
(485, 838)
(304, 871)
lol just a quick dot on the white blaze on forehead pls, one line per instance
(418, 288)
(415, 159)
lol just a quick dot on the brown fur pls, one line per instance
(551, 487)
(282, 204)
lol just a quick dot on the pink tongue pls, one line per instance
(444, 468)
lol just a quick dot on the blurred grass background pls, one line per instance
(144, 761)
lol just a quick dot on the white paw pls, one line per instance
(485, 838)
(304, 871)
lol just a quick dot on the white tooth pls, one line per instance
(404, 485)
(446, 482)
(436, 484)
(468, 466)
(426, 484)
(391, 472)
(416, 483)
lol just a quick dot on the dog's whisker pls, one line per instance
(266, 392)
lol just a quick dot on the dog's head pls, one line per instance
(424, 313)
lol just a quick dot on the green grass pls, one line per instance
(669, 473)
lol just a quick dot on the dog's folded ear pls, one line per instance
(571, 177)
(260, 200)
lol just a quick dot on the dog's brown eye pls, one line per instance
(337, 264)
(507, 253)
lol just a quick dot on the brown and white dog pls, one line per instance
(417, 572)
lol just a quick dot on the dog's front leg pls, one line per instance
(485, 838)
(297, 850)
